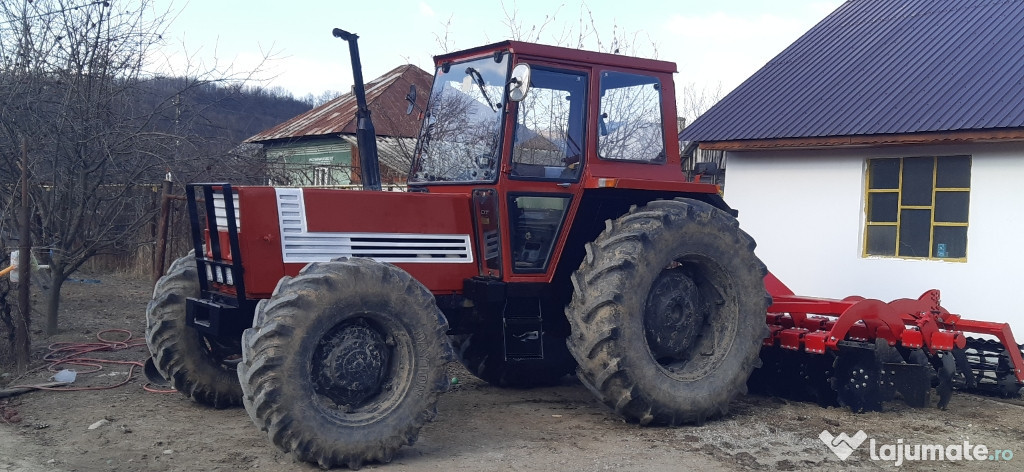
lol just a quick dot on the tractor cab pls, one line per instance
(526, 129)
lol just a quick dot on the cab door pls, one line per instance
(539, 191)
(541, 185)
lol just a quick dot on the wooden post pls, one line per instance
(161, 231)
(22, 342)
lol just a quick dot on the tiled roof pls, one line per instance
(385, 96)
(884, 67)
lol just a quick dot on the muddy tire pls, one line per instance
(483, 356)
(198, 366)
(345, 362)
(668, 313)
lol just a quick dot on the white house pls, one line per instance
(881, 155)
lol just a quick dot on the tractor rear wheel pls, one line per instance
(483, 355)
(668, 313)
(345, 362)
(200, 367)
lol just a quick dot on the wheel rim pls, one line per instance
(351, 363)
(674, 316)
(689, 318)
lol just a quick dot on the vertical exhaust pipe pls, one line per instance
(366, 136)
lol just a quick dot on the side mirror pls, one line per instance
(519, 83)
(411, 98)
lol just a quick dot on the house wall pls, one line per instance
(301, 159)
(806, 211)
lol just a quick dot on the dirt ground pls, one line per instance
(479, 427)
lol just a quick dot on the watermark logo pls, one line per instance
(843, 445)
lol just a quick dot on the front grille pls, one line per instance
(221, 212)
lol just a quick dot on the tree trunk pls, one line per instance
(53, 297)
(22, 346)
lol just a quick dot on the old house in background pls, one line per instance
(318, 147)
(881, 154)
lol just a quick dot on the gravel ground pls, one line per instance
(479, 427)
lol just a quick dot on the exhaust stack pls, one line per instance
(366, 136)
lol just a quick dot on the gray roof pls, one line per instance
(884, 67)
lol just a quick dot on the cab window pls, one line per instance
(549, 126)
(629, 123)
(536, 221)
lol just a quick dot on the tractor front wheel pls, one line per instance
(668, 313)
(200, 367)
(345, 362)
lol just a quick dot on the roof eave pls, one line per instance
(270, 142)
(875, 140)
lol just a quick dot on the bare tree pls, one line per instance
(324, 97)
(694, 100)
(99, 128)
(70, 87)
(517, 28)
(583, 32)
(442, 39)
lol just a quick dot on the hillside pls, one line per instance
(220, 113)
(209, 122)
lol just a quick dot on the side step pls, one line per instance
(522, 326)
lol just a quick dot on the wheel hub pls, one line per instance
(673, 316)
(350, 364)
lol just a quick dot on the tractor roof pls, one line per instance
(560, 54)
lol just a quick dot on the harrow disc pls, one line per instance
(866, 375)
(857, 377)
(914, 379)
(795, 375)
(945, 366)
(985, 368)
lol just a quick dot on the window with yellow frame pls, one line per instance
(917, 207)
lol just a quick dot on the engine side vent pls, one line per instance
(298, 245)
(384, 247)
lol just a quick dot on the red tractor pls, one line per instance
(549, 228)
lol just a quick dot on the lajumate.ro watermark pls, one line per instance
(843, 445)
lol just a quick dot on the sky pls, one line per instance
(716, 44)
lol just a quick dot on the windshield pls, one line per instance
(461, 134)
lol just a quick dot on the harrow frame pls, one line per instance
(821, 326)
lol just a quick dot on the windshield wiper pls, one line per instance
(479, 80)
